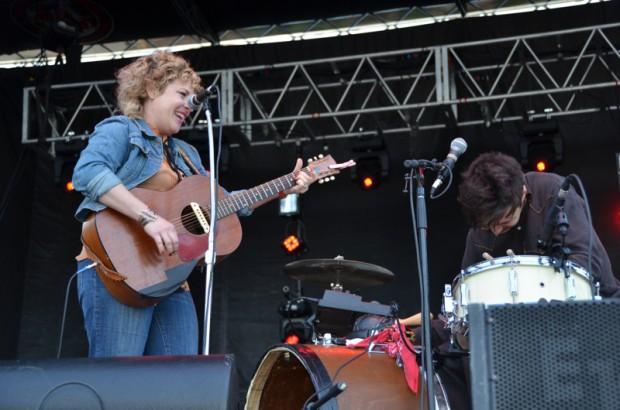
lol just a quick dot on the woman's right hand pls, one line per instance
(164, 234)
(162, 231)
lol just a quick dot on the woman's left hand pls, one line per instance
(302, 179)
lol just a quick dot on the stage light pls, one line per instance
(292, 339)
(294, 242)
(542, 165)
(66, 155)
(291, 243)
(368, 182)
(372, 162)
(367, 172)
(541, 146)
(296, 323)
(296, 331)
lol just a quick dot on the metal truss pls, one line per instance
(294, 31)
(487, 82)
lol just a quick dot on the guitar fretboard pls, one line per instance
(233, 203)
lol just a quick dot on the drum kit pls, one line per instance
(289, 376)
(509, 280)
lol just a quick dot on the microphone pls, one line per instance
(195, 100)
(457, 147)
(550, 222)
(332, 392)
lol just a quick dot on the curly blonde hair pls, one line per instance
(154, 71)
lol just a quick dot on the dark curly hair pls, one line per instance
(491, 185)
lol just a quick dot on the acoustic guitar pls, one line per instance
(128, 261)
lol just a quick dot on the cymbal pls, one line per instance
(344, 272)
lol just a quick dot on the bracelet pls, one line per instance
(282, 195)
(147, 216)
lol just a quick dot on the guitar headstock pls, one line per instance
(323, 168)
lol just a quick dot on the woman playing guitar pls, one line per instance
(136, 150)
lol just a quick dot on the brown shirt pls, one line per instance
(522, 239)
(164, 180)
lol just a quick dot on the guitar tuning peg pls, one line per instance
(320, 155)
(332, 178)
(310, 160)
(316, 158)
(320, 181)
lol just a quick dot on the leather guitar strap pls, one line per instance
(188, 161)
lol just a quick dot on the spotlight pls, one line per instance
(295, 331)
(542, 165)
(368, 182)
(372, 162)
(66, 155)
(292, 339)
(294, 242)
(541, 146)
(368, 172)
(291, 243)
(296, 323)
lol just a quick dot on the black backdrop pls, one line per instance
(40, 236)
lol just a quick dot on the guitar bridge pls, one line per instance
(200, 217)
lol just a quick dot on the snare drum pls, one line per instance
(514, 279)
(289, 374)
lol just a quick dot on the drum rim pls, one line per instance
(309, 360)
(319, 377)
(523, 260)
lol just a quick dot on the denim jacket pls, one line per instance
(125, 151)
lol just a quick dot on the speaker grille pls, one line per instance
(555, 356)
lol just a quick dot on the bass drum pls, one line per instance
(289, 374)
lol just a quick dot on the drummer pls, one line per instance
(506, 210)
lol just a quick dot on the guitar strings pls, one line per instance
(189, 221)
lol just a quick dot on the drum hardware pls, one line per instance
(531, 278)
(464, 294)
(337, 310)
(326, 339)
(448, 300)
(597, 291)
(513, 282)
(571, 293)
(447, 307)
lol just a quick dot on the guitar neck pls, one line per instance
(260, 193)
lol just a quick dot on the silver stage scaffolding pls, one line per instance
(486, 82)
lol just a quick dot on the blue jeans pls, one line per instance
(115, 329)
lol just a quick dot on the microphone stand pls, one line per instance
(210, 254)
(556, 220)
(422, 253)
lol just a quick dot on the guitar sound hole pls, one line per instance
(190, 221)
